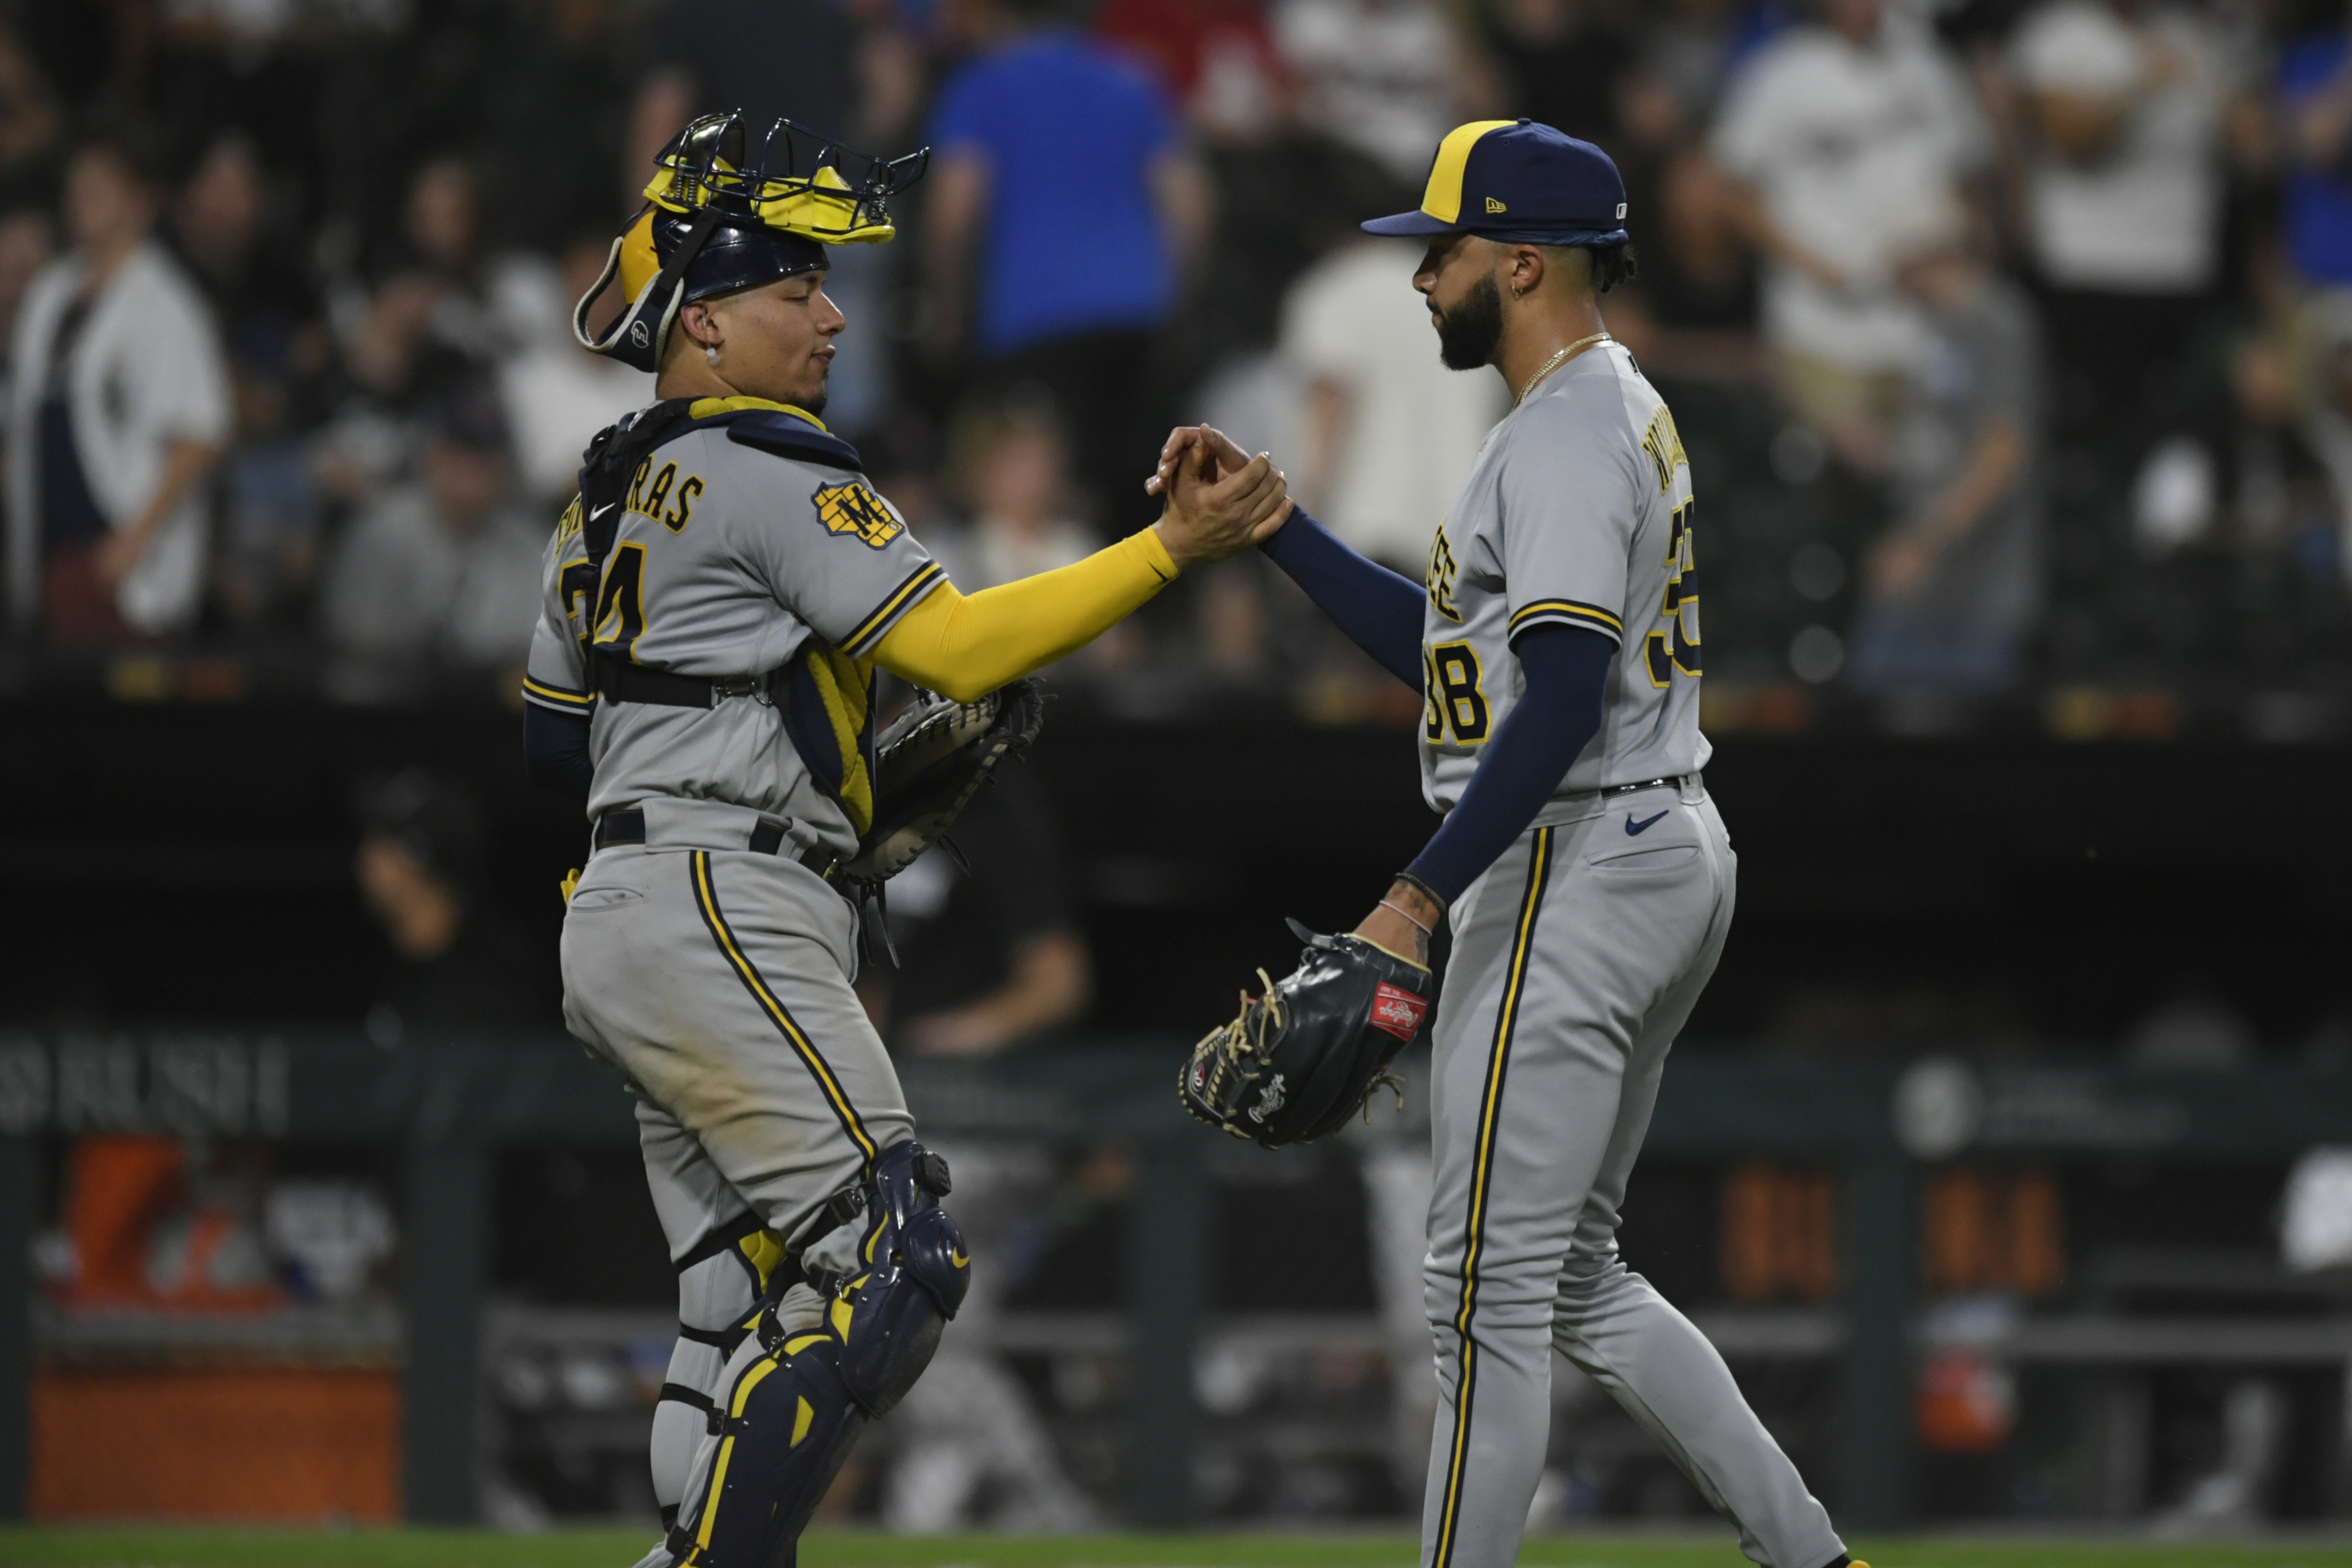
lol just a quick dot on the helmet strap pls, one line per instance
(630, 338)
(588, 300)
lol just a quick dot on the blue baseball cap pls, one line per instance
(1518, 181)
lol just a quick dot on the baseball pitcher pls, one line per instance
(1584, 872)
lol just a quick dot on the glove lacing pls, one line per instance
(1245, 1036)
(1388, 1081)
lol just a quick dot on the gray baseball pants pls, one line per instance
(718, 983)
(1576, 958)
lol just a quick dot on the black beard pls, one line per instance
(1467, 334)
(814, 405)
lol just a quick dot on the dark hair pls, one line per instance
(1614, 265)
(468, 413)
(131, 146)
(432, 818)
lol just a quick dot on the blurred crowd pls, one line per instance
(2011, 338)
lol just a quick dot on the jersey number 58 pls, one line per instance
(1674, 646)
(1453, 686)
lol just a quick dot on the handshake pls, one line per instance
(1220, 500)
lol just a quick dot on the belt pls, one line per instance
(628, 827)
(1677, 780)
(620, 682)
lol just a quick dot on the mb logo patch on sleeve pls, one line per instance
(854, 509)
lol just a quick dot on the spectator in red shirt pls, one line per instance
(1216, 58)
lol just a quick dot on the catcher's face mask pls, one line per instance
(726, 210)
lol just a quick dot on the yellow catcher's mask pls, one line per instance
(725, 211)
(821, 207)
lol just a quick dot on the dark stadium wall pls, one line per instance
(191, 863)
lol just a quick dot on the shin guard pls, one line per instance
(786, 1427)
(894, 1270)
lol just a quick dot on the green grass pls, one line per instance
(192, 1548)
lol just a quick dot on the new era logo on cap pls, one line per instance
(1517, 180)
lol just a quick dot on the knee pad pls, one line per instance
(907, 1275)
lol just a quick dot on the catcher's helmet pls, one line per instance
(723, 213)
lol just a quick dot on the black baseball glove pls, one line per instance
(1307, 1056)
(927, 765)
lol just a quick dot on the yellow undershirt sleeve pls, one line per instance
(965, 647)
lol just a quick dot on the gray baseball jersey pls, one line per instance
(1577, 956)
(1578, 513)
(732, 560)
(716, 979)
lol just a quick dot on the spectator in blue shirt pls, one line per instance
(1062, 205)
(2315, 84)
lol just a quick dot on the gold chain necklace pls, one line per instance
(1554, 363)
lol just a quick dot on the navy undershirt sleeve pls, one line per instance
(555, 749)
(1566, 671)
(1379, 610)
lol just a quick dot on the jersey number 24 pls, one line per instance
(617, 603)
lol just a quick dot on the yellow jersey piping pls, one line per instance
(1482, 1173)
(706, 895)
(919, 585)
(1567, 607)
(556, 696)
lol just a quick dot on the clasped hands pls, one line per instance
(1220, 500)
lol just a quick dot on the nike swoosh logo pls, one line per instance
(1632, 827)
(602, 510)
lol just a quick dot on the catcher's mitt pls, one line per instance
(927, 765)
(1306, 1056)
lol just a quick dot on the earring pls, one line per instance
(711, 352)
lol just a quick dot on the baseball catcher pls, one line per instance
(716, 599)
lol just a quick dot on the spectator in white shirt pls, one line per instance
(558, 395)
(118, 407)
(2125, 108)
(1390, 432)
(1010, 462)
(1384, 77)
(1835, 133)
(490, 301)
